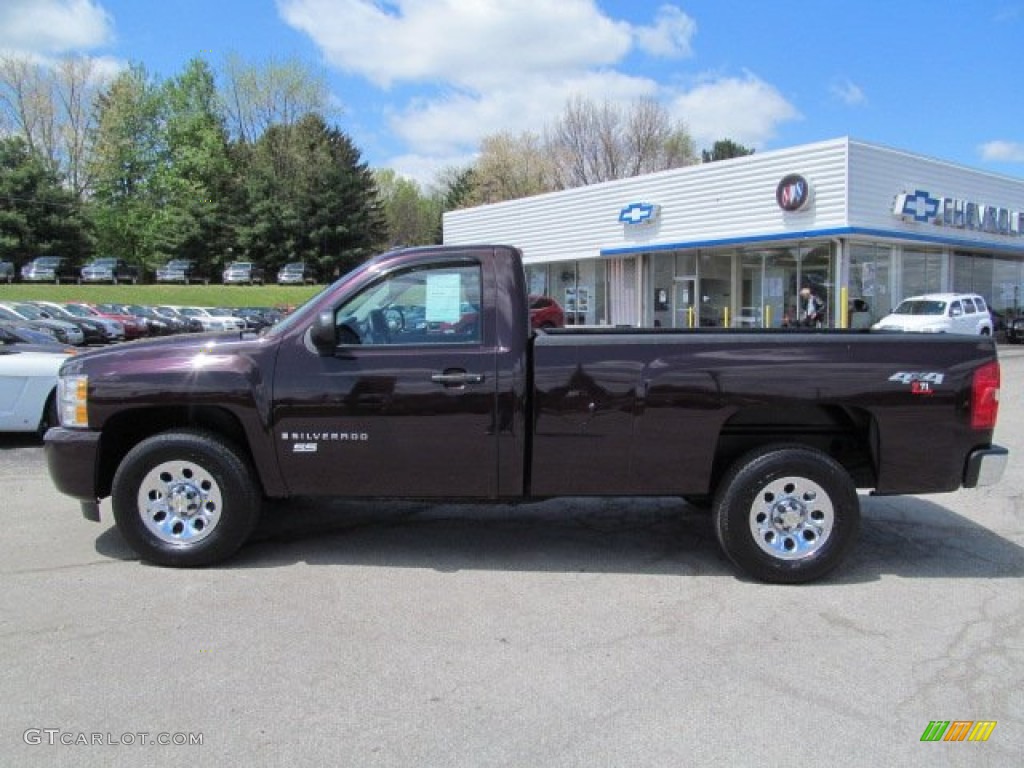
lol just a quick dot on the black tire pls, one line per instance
(204, 499)
(787, 514)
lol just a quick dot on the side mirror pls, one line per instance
(324, 335)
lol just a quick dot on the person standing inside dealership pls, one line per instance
(811, 309)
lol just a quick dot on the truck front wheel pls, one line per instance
(185, 499)
(787, 514)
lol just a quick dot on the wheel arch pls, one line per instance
(847, 434)
(126, 429)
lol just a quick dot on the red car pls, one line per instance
(133, 327)
(545, 312)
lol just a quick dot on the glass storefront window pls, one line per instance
(869, 290)
(922, 272)
(580, 287)
(997, 279)
(771, 280)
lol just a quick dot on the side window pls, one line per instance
(434, 304)
(969, 307)
(981, 304)
(955, 310)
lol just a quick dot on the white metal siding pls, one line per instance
(879, 174)
(721, 201)
(854, 183)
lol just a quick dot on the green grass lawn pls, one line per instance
(187, 295)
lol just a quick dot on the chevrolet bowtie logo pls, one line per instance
(919, 206)
(639, 213)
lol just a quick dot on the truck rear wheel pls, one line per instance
(185, 499)
(787, 514)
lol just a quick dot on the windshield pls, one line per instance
(177, 264)
(104, 263)
(47, 261)
(921, 307)
(27, 310)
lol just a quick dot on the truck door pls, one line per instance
(407, 405)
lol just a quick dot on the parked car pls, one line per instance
(109, 270)
(107, 330)
(182, 271)
(296, 273)
(239, 272)
(351, 398)
(257, 318)
(65, 333)
(92, 333)
(212, 321)
(6, 272)
(29, 338)
(156, 324)
(187, 324)
(965, 313)
(545, 312)
(28, 385)
(49, 269)
(1014, 327)
(134, 327)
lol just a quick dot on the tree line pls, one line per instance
(245, 164)
(150, 170)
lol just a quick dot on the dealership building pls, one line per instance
(731, 243)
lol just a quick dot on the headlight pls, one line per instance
(73, 400)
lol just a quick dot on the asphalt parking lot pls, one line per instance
(569, 633)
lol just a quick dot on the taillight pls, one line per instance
(985, 397)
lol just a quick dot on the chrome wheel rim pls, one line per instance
(179, 502)
(791, 518)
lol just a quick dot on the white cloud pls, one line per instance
(474, 44)
(459, 120)
(848, 92)
(425, 169)
(1003, 151)
(484, 66)
(671, 36)
(43, 28)
(747, 110)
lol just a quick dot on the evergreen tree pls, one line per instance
(725, 149)
(195, 178)
(127, 157)
(38, 215)
(311, 198)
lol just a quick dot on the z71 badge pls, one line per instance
(921, 382)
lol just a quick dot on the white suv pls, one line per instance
(964, 313)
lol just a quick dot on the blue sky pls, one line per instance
(419, 82)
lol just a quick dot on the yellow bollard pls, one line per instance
(725, 317)
(844, 307)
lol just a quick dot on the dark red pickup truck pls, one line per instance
(418, 375)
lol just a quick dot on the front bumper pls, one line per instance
(72, 458)
(985, 466)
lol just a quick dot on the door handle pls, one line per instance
(457, 378)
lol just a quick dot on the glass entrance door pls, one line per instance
(685, 303)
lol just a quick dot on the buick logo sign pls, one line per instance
(793, 193)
